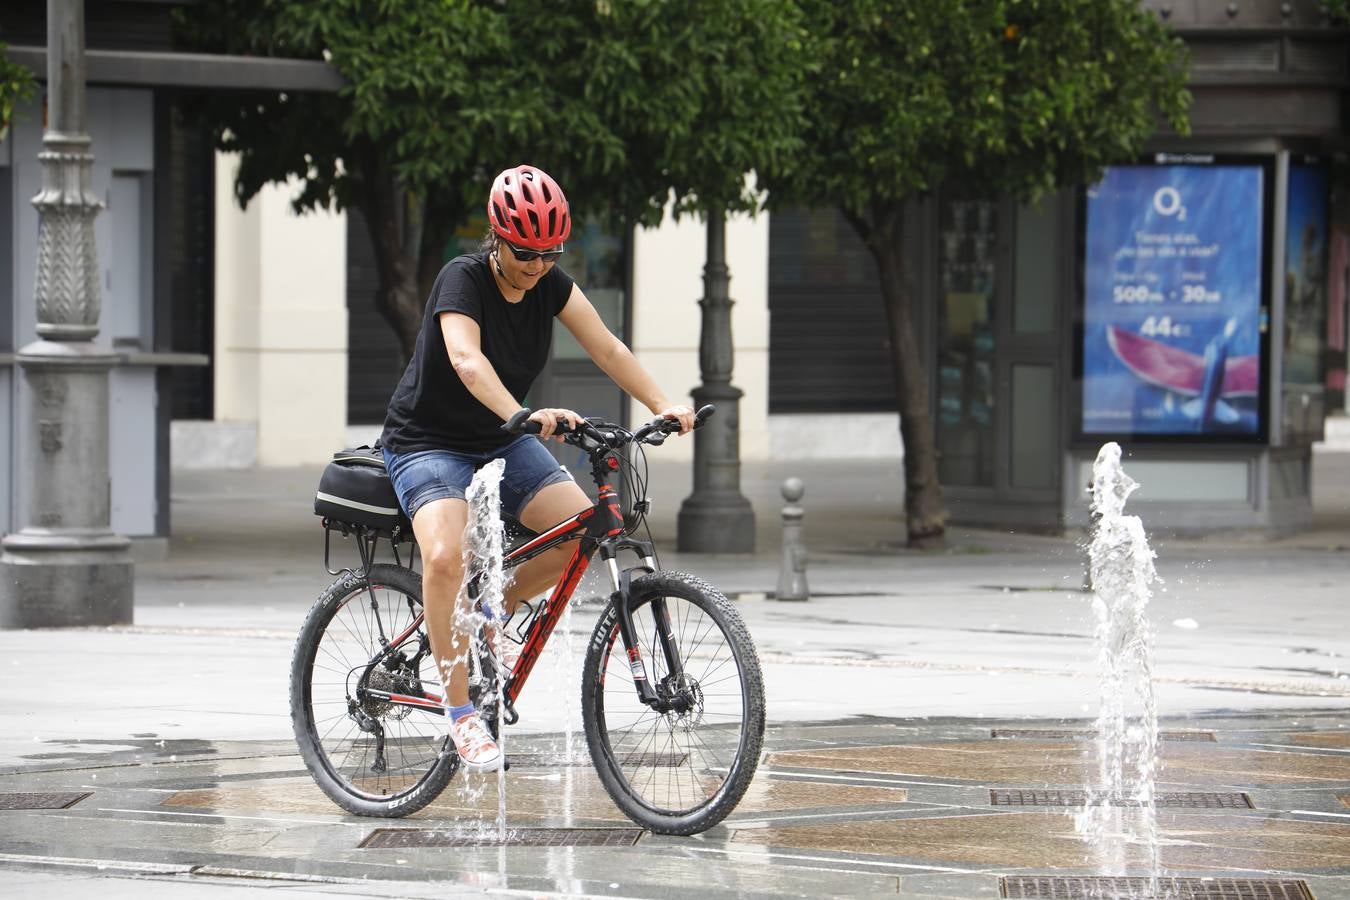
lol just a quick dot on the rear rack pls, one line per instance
(367, 543)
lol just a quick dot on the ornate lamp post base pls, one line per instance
(65, 567)
(716, 518)
(60, 580)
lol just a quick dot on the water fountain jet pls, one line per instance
(1120, 810)
(483, 555)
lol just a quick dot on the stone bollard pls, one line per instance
(792, 571)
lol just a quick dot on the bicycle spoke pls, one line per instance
(345, 649)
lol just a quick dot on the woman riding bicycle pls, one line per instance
(484, 339)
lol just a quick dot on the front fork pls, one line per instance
(622, 580)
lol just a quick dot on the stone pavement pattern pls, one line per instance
(880, 767)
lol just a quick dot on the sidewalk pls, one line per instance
(247, 561)
(895, 649)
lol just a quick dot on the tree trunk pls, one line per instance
(925, 519)
(407, 239)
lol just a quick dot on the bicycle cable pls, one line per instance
(637, 476)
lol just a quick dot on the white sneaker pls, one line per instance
(478, 752)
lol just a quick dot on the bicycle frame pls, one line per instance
(596, 529)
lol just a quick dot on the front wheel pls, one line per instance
(682, 770)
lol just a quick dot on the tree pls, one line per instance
(1013, 97)
(16, 85)
(613, 99)
(401, 142)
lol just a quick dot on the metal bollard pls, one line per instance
(792, 571)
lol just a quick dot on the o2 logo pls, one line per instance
(1167, 202)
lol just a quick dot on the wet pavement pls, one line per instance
(927, 724)
(861, 807)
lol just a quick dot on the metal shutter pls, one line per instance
(828, 344)
(374, 362)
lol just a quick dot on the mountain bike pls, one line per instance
(671, 692)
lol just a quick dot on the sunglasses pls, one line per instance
(523, 255)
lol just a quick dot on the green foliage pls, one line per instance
(696, 94)
(623, 102)
(16, 85)
(419, 75)
(997, 96)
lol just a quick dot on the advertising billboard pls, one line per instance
(1173, 315)
(1305, 302)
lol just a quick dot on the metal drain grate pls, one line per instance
(41, 801)
(1107, 888)
(549, 761)
(1161, 800)
(1065, 735)
(401, 838)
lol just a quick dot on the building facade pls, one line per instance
(250, 337)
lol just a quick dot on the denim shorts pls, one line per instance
(425, 475)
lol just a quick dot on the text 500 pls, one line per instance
(1139, 293)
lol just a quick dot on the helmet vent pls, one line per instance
(552, 221)
(534, 221)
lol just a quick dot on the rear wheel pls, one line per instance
(682, 770)
(371, 757)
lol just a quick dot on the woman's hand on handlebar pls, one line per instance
(548, 420)
(682, 414)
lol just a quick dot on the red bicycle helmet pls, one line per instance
(527, 208)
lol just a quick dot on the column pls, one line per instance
(65, 566)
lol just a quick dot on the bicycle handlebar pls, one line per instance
(671, 426)
(520, 423)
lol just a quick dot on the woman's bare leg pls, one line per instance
(547, 508)
(439, 528)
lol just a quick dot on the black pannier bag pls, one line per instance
(355, 491)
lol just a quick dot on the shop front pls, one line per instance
(1189, 306)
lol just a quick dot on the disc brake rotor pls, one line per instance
(687, 690)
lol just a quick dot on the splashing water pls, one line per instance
(483, 551)
(1119, 812)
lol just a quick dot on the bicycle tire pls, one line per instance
(720, 760)
(339, 755)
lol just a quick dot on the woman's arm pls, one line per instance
(464, 345)
(616, 360)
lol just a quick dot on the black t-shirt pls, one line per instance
(431, 408)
